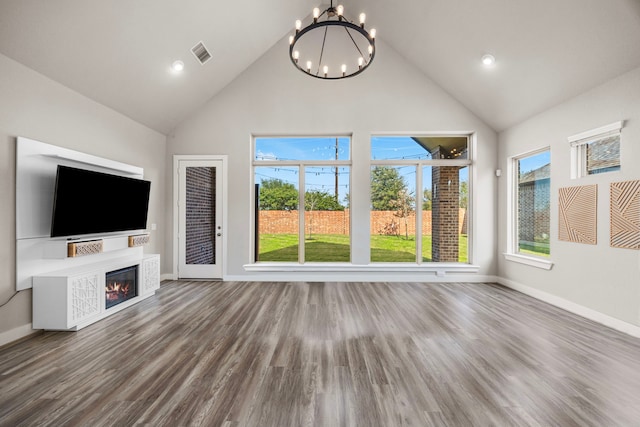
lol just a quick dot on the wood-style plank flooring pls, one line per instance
(326, 354)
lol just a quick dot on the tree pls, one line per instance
(404, 206)
(464, 194)
(277, 195)
(427, 200)
(321, 201)
(386, 185)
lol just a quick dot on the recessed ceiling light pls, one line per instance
(177, 66)
(488, 60)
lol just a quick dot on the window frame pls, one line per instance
(580, 142)
(513, 245)
(302, 165)
(419, 165)
(359, 242)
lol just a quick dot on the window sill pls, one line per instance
(440, 269)
(529, 260)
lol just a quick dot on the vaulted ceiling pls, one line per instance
(118, 52)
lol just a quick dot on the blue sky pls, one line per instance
(302, 148)
(317, 178)
(397, 147)
(530, 163)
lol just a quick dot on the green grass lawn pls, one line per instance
(335, 248)
(535, 248)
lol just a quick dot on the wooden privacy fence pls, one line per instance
(337, 222)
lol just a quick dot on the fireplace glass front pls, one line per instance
(121, 285)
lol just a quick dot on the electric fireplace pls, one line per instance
(121, 285)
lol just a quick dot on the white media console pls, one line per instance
(73, 298)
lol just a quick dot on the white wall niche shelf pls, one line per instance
(36, 252)
(69, 288)
(97, 161)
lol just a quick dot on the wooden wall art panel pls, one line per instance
(578, 214)
(625, 214)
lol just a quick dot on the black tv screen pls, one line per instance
(89, 202)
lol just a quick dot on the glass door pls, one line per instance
(200, 219)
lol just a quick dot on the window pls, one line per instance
(533, 198)
(596, 151)
(419, 199)
(312, 225)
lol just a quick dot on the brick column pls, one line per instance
(445, 213)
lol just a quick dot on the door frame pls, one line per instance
(176, 212)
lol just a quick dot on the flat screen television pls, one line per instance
(89, 202)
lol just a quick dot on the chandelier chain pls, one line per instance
(354, 43)
(324, 39)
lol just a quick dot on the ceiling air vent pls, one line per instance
(200, 51)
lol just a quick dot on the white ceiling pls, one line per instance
(118, 52)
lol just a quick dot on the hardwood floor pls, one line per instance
(327, 354)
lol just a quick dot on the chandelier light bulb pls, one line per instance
(363, 17)
(344, 69)
(340, 10)
(360, 62)
(296, 55)
(372, 33)
(325, 70)
(308, 66)
(290, 39)
(316, 14)
(298, 25)
(370, 49)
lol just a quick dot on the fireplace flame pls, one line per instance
(116, 291)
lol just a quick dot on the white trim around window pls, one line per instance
(584, 137)
(529, 260)
(579, 151)
(301, 166)
(513, 254)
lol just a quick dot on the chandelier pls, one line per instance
(332, 47)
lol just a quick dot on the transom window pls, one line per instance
(596, 151)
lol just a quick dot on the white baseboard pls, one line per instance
(360, 277)
(15, 334)
(167, 277)
(572, 307)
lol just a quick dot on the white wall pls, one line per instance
(600, 278)
(273, 98)
(34, 106)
